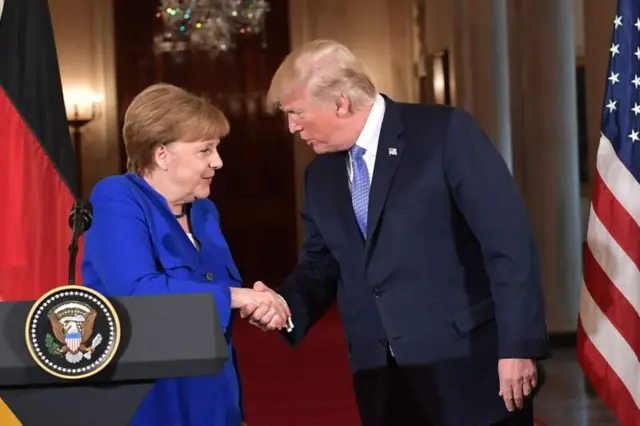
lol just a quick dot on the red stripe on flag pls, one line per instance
(612, 302)
(605, 381)
(33, 220)
(615, 218)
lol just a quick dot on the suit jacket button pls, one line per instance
(209, 276)
(383, 342)
(376, 293)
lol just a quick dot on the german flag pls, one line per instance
(37, 168)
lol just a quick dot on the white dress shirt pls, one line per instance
(368, 138)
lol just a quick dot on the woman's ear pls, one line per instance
(162, 157)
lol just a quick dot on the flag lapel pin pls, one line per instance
(393, 151)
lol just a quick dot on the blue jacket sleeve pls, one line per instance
(488, 198)
(119, 247)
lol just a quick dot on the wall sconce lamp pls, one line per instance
(82, 108)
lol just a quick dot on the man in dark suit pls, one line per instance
(414, 222)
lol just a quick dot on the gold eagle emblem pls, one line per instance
(72, 325)
(65, 333)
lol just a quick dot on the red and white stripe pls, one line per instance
(609, 320)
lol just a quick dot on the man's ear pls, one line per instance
(343, 106)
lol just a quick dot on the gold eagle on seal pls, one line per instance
(73, 335)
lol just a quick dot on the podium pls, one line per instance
(161, 336)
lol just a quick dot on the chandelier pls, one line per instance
(207, 25)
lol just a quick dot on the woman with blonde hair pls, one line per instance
(156, 232)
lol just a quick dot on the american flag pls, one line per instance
(609, 321)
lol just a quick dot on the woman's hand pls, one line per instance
(267, 304)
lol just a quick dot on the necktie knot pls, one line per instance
(357, 152)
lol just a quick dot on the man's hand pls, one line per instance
(268, 305)
(518, 377)
(263, 317)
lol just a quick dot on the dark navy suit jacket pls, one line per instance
(449, 268)
(137, 247)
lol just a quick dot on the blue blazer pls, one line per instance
(136, 247)
(448, 274)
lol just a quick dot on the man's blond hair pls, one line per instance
(328, 69)
(163, 113)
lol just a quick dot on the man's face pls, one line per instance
(323, 126)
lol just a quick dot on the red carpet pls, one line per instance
(306, 386)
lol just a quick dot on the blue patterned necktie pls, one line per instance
(360, 187)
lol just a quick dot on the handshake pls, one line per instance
(264, 307)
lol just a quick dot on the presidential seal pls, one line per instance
(72, 332)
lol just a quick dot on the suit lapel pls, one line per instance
(187, 252)
(390, 149)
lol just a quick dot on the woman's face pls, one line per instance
(190, 167)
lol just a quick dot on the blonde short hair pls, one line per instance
(162, 114)
(328, 69)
